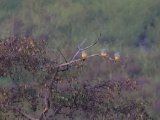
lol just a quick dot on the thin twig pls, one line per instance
(79, 46)
(81, 49)
(62, 55)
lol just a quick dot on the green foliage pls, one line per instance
(120, 21)
(9, 5)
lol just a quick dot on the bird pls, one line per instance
(83, 55)
(117, 56)
(104, 53)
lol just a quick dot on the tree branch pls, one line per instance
(81, 49)
(47, 96)
(74, 61)
(62, 55)
(24, 114)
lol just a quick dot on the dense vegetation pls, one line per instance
(43, 88)
(129, 26)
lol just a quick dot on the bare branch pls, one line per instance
(90, 45)
(75, 55)
(47, 96)
(47, 106)
(81, 49)
(74, 61)
(79, 46)
(62, 55)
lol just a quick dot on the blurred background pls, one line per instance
(129, 26)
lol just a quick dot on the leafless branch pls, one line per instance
(47, 101)
(85, 48)
(79, 46)
(47, 106)
(74, 61)
(62, 55)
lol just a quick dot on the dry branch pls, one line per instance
(75, 61)
(85, 48)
